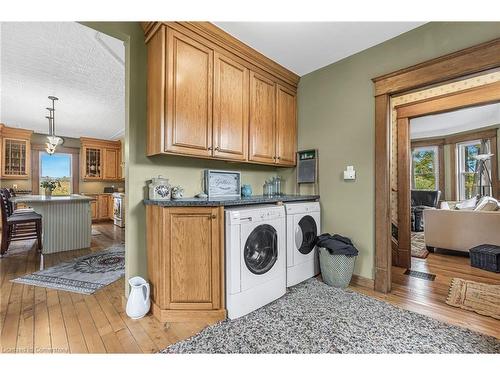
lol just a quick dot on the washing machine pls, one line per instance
(302, 227)
(255, 257)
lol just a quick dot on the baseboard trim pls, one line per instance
(357, 280)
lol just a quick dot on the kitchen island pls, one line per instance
(66, 220)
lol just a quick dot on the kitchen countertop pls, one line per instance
(227, 202)
(45, 199)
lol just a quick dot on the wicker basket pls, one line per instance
(336, 270)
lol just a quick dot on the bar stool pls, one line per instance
(18, 226)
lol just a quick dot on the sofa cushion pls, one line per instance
(487, 204)
(468, 204)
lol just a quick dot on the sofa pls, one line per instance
(422, 200)
(461, 230)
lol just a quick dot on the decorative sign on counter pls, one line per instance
(222, 184)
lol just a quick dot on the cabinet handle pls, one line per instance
(279, 158)
(210, 148)
(217, 148)
(214, 216)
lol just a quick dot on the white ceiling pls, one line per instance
(81, 66)
(303, 47)
(455, 122)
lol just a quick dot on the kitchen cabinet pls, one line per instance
(111, 207)
(100, 160)
(262, 119)
(189, 95)
(15, 153)
(211, 96)
(93, 210)
(111, 163)
(286, 126)
(185, 252)
(230, 116)
(103, 206)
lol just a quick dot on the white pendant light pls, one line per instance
(53, 139)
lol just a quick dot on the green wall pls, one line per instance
(336, 115)
(140, 168)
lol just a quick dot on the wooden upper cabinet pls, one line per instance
(286, 126)
(15, 153)
(188, 127)
(100, 159)
(230, 116)
(111, 163)
(262, 139)
(211, 96)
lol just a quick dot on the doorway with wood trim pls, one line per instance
(467, 62)
(475, 97)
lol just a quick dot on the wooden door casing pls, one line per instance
(188, 96)
(262, 127)
(231, 109)
(286, 126)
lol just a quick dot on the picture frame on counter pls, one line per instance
(222, 184)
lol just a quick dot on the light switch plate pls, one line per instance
(350, 173)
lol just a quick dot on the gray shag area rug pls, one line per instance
(85, 274)
(315, 318)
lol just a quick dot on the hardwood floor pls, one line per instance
(428, 297)
(42, 320)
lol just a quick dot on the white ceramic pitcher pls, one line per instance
(138, 302)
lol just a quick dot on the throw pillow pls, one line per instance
(487, 204)
(468, 204)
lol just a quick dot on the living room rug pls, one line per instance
(481, 298)
(418, 248)
(85, 274)
(316, 318)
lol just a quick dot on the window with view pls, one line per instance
(57, 167)
(425, 168)
(467, 168)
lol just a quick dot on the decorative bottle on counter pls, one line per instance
(159, 189)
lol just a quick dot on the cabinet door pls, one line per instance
(110, 165)
(230, 129)
(188, 128)
(195, 273)
(92, 163)
(15, 158)
(103, 206)
(286, 126)
(262, 119)
(93, 210)
(111, 204)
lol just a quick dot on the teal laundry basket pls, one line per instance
(336, 270)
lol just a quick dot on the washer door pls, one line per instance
(261, 249)
(305, 234)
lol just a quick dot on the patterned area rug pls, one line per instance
(84, 275)
(315, 318)
(418, 248)
(481, 298)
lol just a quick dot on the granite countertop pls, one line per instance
(227, 202)
(46, 199)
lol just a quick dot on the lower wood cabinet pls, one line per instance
(185, 250)
(101, 207)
